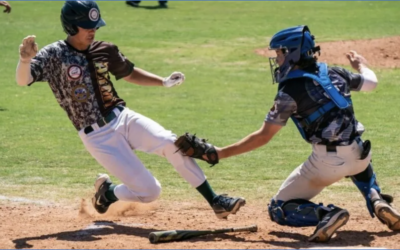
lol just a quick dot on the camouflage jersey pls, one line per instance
(80, 80)
(300, 97)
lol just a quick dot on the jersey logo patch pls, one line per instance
(105, 85)
(74, 72)
(94, 14)
(80, 93)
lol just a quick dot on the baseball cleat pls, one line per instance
(387, 215)
(101, 185)
(329, 224)
(224, 205)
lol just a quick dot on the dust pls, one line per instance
(86, 210)
(117, 209)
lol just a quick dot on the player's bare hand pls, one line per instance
(176, 78)
(6, 5)
(28, 48)
(356, 61)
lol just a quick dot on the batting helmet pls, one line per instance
(84, 14)
(297, 43)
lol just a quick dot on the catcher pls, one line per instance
(317, 98)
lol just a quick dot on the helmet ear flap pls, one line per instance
(69, 29)
(72, 30)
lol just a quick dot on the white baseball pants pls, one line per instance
(322, 169)
(112, 146)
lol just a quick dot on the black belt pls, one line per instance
(332, 148)
(102, 122)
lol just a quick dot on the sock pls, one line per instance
(207, 192)
(110, 195)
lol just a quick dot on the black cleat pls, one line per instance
(100, 202)
(224, 205)
(329, 224)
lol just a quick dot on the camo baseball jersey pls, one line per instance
(302, 96)
(80, 80)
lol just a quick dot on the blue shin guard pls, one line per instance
(365, 188)
(295, 213)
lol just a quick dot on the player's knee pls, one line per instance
(295, 213)
(275, 212)
(152, 193)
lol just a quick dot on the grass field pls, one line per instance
(226, 96)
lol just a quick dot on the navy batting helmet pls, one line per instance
(84, 14)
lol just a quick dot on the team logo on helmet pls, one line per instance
(74, 72)
(80, 93)
(94, 14)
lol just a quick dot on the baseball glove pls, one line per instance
(195, 147)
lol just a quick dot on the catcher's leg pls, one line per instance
(148, 136)
(378, 204)
(291, 206)
(304, 213)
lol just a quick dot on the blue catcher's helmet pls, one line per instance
(84, 14)
(297, 43)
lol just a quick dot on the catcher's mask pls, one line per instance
(296, 43)
(84, 14)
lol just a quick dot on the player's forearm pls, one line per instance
(144, 78)
(249, 143)
(370, 79)
(23, 73)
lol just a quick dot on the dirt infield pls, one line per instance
(380, 53)
(127, 225)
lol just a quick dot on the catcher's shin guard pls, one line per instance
(365, 181)
(294, 213)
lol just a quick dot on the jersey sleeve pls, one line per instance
(354, 81)
(284, 106)
(119, 65)
(40, 70)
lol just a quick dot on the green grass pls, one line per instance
(225, 97)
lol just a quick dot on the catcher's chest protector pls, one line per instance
(337, 100)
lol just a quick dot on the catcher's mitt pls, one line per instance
(195, 147)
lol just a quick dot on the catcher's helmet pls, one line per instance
(297, 43)
(85, 14)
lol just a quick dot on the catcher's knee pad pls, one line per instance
(295, 213)
(365, 184)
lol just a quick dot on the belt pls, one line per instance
(332, 148)
(104, 121)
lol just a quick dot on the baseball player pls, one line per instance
(6, 5)
(317, 98)
(78, 72)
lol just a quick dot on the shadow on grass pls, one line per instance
(157, 7)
